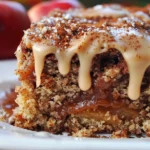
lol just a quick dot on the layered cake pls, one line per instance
(86, 72)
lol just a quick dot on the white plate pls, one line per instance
(20, 139)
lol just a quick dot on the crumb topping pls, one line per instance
(61, 26)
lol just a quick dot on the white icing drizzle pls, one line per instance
(133, 44)
(142, 15)
(64, 60)
(102, 11)
(109, 11)
(136, 55)
(40, 51)
(89, 49)
(136, 70)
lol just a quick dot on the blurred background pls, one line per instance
(135, 2)
(93, 2)
(17, 15)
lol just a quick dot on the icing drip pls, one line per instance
(64, 60)
(39, 59)
(133, 44)
(136, 71)
(136, 53)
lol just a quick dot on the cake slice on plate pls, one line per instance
(85, 72)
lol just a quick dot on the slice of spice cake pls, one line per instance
(85, 72)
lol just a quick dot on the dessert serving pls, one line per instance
(85, 72)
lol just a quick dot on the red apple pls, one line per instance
(13, 20)
(43, 8)
(30, 2)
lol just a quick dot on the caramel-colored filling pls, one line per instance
(101, 105)
(109, 115)
(98, 110)
(103, 110)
